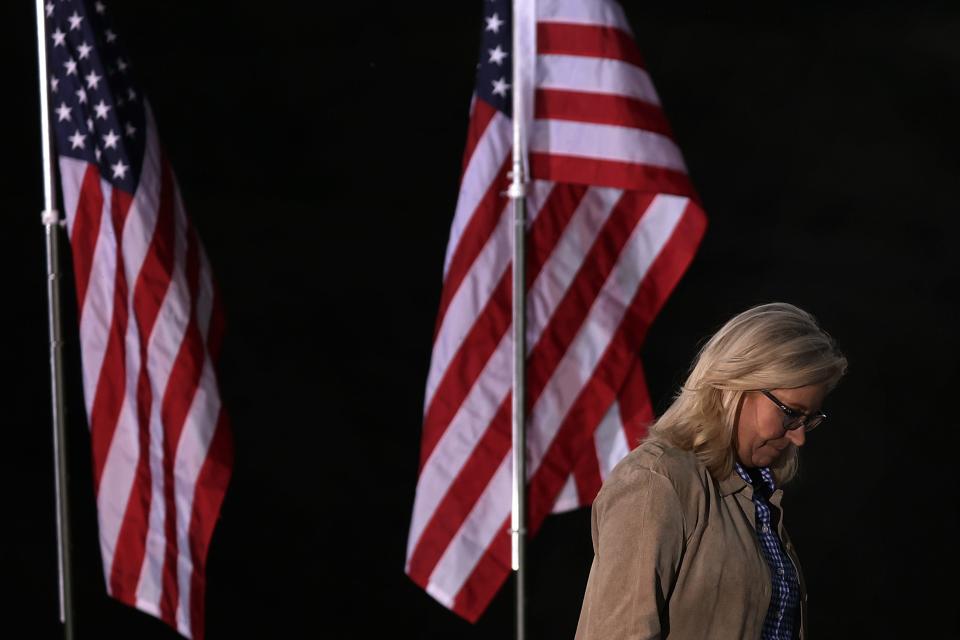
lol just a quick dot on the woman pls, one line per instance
(687, 530)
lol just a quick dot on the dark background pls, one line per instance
(318, 150)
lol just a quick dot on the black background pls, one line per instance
(318, 150)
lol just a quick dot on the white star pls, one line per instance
(130, 129)
(76, 140)
(71, 66)
(89, 124)
(100, 7)
(119, 169)
(110, 140)
(54, 82)
(84, 50)
(122, 65)
(493, 23)
(101, 108)
(111, 36)
(59, 38)
(497, 55)
(500, 87)
(93, 80)
(96, 152)
(63, 112)
(131, 93)
(49, 8)
(81, 95)
(75, 21)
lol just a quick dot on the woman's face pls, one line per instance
(760, 437)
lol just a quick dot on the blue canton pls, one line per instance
(97, 113)
(785, 597)
(495, 68)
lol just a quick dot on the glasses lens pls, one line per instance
(809, 423)
(813, 422)
(793, 422)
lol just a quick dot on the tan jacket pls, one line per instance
(676, 554)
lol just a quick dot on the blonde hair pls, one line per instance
(770, 346)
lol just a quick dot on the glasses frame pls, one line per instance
(809, 421)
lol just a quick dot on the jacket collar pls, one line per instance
(732, 484)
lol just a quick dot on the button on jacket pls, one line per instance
(676, 554)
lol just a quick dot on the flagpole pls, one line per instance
(50, 218)
(518, 531)
(517, 193)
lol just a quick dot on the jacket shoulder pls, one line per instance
(679, 466)
(688, 477)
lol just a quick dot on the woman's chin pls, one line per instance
(764, 459)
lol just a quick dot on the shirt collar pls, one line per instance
(766, 476)
(739, 479)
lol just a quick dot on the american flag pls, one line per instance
(150, 326)
(613, 224)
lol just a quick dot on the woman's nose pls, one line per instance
(797, 436)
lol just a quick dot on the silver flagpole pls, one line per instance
(51, 222)
(517, 192)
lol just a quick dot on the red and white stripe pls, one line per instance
(150, 331)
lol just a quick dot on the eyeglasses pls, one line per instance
(793, 419)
